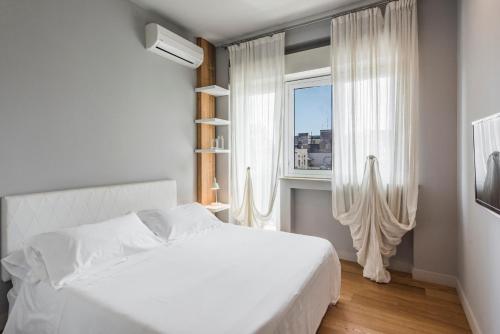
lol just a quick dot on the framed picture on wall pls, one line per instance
(486, 136)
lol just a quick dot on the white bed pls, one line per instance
(227, 279)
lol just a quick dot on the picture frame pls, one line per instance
(486, 152)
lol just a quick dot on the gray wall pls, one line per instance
(307, 60)
(479, 96)
(222, 110)
(432, 246)
(83, 103)
(435, 235)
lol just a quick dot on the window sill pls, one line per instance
(305, 178)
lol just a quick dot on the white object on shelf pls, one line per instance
(211, 150)
(217, 207)
(218, 143)
(213, 90)
(215, 187)
(212, 121)
(221, 141)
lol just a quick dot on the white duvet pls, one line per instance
(227, 279)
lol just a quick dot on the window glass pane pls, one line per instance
(313, 128)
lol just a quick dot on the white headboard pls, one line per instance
(26, 215)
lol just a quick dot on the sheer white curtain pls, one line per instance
(375, 83)
(256, 102)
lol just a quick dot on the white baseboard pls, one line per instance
(433, 277)
(473, 323)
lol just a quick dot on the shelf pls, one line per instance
(211, 150)
(213, 90)
(217, 208)
(212, 121)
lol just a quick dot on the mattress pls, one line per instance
(227, 279)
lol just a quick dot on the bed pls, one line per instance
(228, 279)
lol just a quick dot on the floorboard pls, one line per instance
(402, 306)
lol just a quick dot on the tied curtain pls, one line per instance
(256, 103)
(375, 116)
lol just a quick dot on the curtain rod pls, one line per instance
(304, 24)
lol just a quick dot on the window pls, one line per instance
(308, 107)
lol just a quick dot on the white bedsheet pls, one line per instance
(226, 280)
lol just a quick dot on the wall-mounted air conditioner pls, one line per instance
(172, 46)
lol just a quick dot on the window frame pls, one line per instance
(316, 77)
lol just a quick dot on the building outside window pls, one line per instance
(308, 151)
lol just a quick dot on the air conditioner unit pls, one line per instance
(165, 43)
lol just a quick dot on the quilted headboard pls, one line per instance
(26, 215)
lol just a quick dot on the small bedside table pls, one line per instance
(217, 208)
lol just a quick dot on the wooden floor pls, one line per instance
(402, 306)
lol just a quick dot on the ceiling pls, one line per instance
(224, 20)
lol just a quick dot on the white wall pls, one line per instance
(83, 103)
(479, 96)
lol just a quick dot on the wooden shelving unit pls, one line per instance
(205, 108)
(206, 122)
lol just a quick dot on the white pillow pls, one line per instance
(16, 265)
(68, 253)
(178, 222)
(20, 271)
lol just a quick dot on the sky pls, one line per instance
(313, 109)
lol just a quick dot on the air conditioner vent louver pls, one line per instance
(174, 55)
